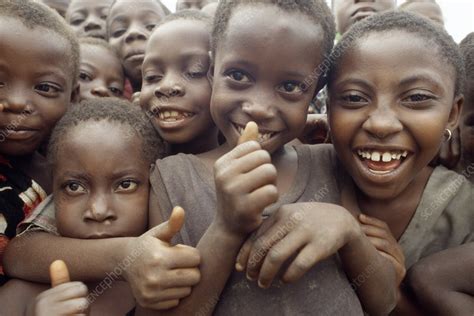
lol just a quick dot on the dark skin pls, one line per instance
(101, 190)
(35, 89)
(176, 91)
(100, 73)
(378, 97)
(129, 26)
(466, 127)
(348, 12)
(266, 89)
(87, 17)
(438, 276)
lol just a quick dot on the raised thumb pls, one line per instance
(59, 273)
(165, 231)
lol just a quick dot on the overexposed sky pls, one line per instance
(458, 15)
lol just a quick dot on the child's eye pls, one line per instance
(84, 76)
(127, 186)
(291, 87)
(118, 33)
(103, 17)
(354, 98)
(117, 92)
(150, 27)
(74, 188)
(238, 76)
(48, 89)
(152, 78)
(196, 74)
(417, 100)
(77, 21)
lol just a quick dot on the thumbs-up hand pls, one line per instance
(161, 274)
(245, 182)
(64, 298)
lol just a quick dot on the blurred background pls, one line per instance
(458, 15)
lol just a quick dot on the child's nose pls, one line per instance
(382, 122)
(135, 33)
(260, 108)
(93, 23)
(170, 86)
(101, 92)
(17, 102)
(99, 211)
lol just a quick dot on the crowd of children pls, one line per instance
(126, 151)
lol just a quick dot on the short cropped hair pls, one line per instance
(193, 15)
(114, 110)
(92, 41)
(436, 36)
(33, 14)
(316, 10)
(467, 51)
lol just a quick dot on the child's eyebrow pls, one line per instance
(355, 81)
(421, 78)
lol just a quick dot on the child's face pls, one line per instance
(348, 12)
(101, 183)
(392, 96)
(429, 10)
(192, 4)
(175, 86)
(129, 27)
(35, 85)
(100, 74)
(59, 5)
(87, 17)
(260, 67)
(467, 122)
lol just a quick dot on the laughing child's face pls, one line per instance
(101, 182)
(389, 107)
(100, 73)
(87, 17)
(35, 85)
(129, 26)
(266, 87)
(175, 86)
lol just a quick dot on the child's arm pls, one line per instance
(443, 283)
(313, 232)
(245, 185)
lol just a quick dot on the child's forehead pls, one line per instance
(128, 8)
(190, 28)
(87, 4)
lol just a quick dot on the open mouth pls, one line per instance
(174, 116)
(262, 135)
(382, 162)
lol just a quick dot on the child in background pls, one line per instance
(466, 125)
(192, 4)
(348, 12)
(427, 8)
(39, 60)
(267, 88)
(176, 91)
(59, 6)
(129, 26)
(393, 101)
(100, 153)
(87, 17)
(100, 71)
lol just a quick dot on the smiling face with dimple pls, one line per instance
(267, 87)
(129, 26)
(391, 99)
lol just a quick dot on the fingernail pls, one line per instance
(250, 278)
(239, 267)
(260, 285)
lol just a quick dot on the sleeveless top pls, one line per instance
(325, 290)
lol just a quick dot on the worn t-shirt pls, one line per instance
(325, 290)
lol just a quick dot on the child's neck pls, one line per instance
(396, 212)
(205, 142)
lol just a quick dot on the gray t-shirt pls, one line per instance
(325, 290)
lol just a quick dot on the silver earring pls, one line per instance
(449, 134)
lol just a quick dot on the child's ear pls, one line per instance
(75, 94)
(455, 113)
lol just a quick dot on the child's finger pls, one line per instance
(177, 278)
(250, 133)
(374, 231)
(184, 257)
(166, 231)
(373, 221)
(172, 294)
(383, 246)
(303, 262)
(73, 306)
(59, 273)
(165, 305)
(239, 151)
(250, 161)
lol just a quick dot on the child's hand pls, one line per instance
(380, 236)
(64, 298)
(309, 232)
(245, 184)
(160, 274)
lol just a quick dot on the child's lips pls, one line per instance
(18, 133)
(381, 161)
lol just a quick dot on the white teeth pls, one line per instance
(375, 156)
(173, 116)
(387, 157)
(381, 156)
